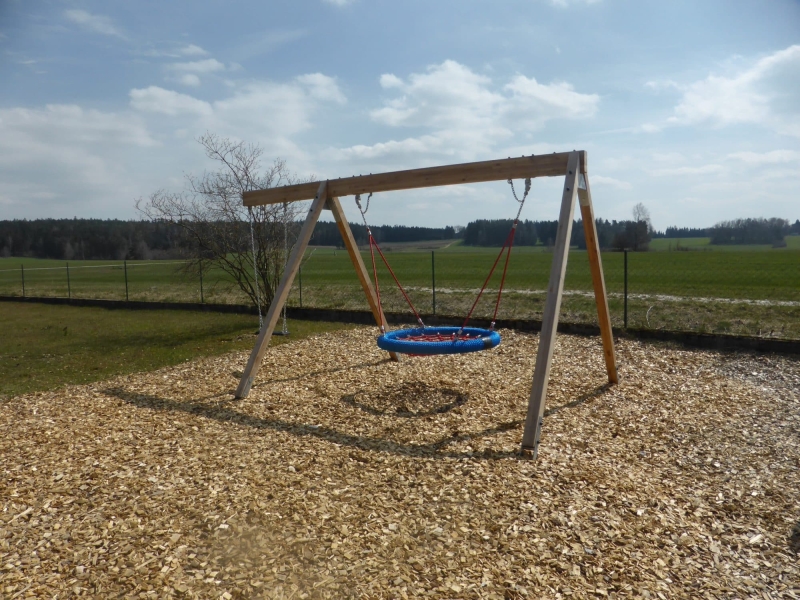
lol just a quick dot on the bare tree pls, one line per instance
(217, 227)
(642, 215)
(643, 228)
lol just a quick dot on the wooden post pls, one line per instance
(125, 267)
(292, 265)
(69, 284)
(552, 306)
(598, 281)
(358, 263)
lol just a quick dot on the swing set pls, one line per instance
(424, 340)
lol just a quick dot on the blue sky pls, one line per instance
(692, 108)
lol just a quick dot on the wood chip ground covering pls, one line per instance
(345, 475)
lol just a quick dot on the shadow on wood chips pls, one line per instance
(399, 396)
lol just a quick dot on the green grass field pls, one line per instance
(704, 243)
(753, 291)
(147, 280)
(43, 347)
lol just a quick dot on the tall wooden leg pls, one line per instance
(292, 265)
(598, 281)
(358, 263)
(552, 306)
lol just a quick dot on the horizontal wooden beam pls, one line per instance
(543, 165)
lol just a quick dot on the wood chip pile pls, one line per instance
(345, 475)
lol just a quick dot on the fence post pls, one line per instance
(202, 300)
(433, 281)
(625, 290)
(300, 284)
(125, 265)
(22, 270)
(69, 285)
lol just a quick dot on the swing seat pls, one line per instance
(438, 340)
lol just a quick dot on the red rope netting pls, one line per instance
(438, 337)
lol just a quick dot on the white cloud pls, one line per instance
(95, 23)
(193, 50)
(209, 65)
(263, 42)
(339, 2)
(767, 94)
(63, 160)
(187, 73)
(668, 157)
(168, 102)
(267, 113)
(767, 158)
(190, 79)
(322, 87)
(658, 86)
(464, 114)
(536, 103)
(610, 181)
(272, 113)
(408, 147)
(389, 81)
(568, 3)
(446, 96)
(712, 169)
(648, 128)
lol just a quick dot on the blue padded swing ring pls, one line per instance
(438, 340)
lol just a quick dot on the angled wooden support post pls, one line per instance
(292, 265)
(598, 281)
(358, 263)
(552, 306)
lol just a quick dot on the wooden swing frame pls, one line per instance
(325, 195)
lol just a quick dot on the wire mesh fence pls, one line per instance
(736, 292)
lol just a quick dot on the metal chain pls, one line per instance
(362, 210)
(524, 196)
(255, 268)
(285, 257)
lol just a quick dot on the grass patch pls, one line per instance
(738, 291)
(45, 347)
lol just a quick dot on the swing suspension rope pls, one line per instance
(373, 245)
(436, 338)
(255, 267)
(506, 245)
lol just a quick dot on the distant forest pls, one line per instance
(610, 234)
(629, 234)
(85, 239)
(738, 231)
(327, 234)
(88, 239)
